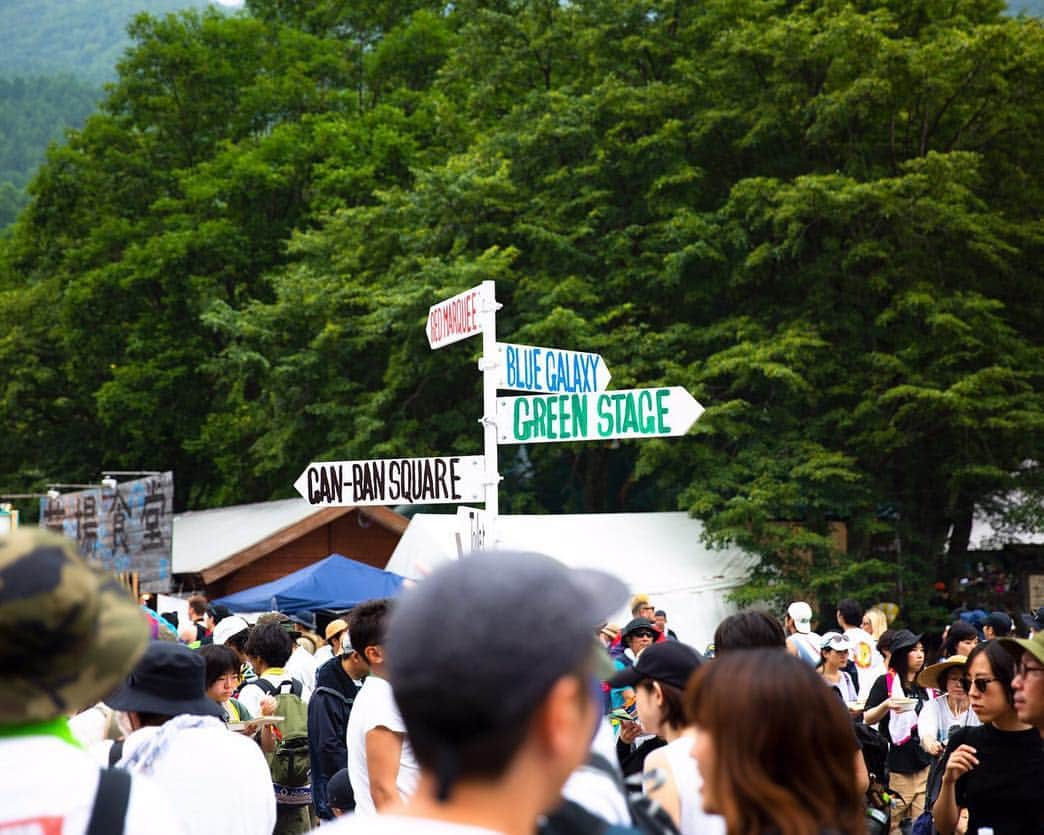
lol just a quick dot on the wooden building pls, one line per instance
(229, 549)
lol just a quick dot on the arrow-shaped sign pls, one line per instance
(392, 481)
(554, 370)
(458, 318)
(629, 413)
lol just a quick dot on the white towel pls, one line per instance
(900, 725)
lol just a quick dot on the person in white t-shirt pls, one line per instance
(502, 703)
(801, 640)
(72, 634)
(174, 722)
(869, 663)
(381, 765)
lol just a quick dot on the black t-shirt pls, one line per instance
(1004, 789)
(910, 757)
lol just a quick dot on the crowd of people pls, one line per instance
(495, 696)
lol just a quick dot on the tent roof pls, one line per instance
(660, 554)
(218, 541)
(335, 583)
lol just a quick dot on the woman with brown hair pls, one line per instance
(775, 747)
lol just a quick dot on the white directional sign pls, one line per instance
(458, 318)
(391, 481)
(552, 370)
(629, 413)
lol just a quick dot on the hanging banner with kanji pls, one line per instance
(124, 529)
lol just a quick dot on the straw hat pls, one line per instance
(932, 676)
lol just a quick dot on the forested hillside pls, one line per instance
(33, 112)
(823, 219)
(83, 38)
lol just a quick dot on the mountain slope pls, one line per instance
(84, 38)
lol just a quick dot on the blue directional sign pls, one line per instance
(550, 370)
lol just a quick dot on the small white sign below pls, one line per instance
(473, 530)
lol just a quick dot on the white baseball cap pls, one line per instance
(227, 627)
(801, 613)
(835, 640)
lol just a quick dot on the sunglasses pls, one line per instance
(980, 683)
(643, 634)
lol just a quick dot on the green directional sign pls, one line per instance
(595, 416)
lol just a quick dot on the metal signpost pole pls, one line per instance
(488, 365)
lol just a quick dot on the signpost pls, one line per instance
(629, 413)
(570, 402)
(391, 481)
(530, 368)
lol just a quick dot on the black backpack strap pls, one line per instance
(348, 700)
(110, 803)
(266, 686)
(115, 752)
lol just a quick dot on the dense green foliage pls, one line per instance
(823, 218)
(34, 112)
(84, 38)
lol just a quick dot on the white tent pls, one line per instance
(660, 554)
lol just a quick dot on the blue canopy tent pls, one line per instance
(336, 583)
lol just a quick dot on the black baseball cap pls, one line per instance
(458, 672)
(1000, 622)
(669, 662)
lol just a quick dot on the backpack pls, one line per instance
(289, 762)
(874, 748)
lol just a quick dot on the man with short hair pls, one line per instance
(1028, 684)
(996, 625)
(864, 656)
(642, 608)
(197, 611)
(801, 640)
(660, 622)
(72, 634)
(502, 707)
(337, 685)
(381, 764)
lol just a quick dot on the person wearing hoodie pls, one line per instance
(336, 685)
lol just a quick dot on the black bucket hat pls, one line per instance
(169, 680)
(635, 625)
(903, 640)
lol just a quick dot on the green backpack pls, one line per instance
(290, 762)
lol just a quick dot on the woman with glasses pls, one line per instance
(223, 679)
(994, 771)
(895, 700)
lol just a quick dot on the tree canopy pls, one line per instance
(823, 218)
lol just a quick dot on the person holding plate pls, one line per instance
(896, 700)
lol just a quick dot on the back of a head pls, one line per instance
(368, 624)
(851, 612)
(749, 629)
(197, 605)
(468, 680)
(271, 643)
(791, 770)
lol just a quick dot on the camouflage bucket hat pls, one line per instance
(69, 633)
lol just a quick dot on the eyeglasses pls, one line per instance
(1026, 672)
(980, 683)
